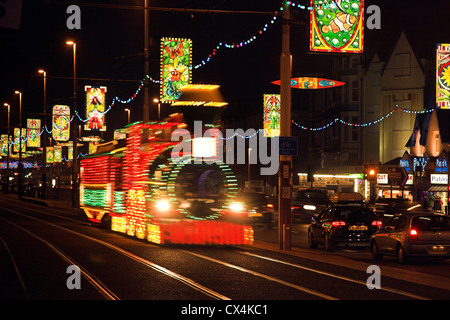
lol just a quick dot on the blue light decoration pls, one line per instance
(336, 120)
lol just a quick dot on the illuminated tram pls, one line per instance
(135, 187)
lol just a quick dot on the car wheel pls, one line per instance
(401, 255)
(311, 243)
(329, 245)
(374, 250)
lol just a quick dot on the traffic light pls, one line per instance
(370, 172)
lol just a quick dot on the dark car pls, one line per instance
(343, 225)
(386, 208)
(307, 203)
(257, 205)
(413, 234)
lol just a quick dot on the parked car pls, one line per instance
(386, 208)
(257, 206)
(413, 234)
(347, 224)
(307, 203)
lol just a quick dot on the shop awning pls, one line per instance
(438, 189)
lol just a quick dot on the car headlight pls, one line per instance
(309, 207)
(236, 207)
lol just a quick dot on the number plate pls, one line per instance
(357, 228)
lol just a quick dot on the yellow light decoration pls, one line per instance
(119, 224)
(153, 233)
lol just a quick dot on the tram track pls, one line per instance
(106, 292)
(209, 257)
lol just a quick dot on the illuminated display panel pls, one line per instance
(95, 108)
(17, 142)
(33, 133)
(443, 76)
(176, 67)
(61, 123)
(50, 155)
(312, 83)
(337, 26)
(4, 145)
(272, 116)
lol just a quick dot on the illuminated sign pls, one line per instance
(95, 108)
(439, 178)
(176, 67)
(441, 165)
(33, 133)
(19, 142)
(382, 178)
(61, 123)
(4, 145)
(272, 116)
(50, 155)
(443, 76)
(312, 83)
(337, 26)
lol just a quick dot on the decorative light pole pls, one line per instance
(44, 139)
(75, 190)
(19, 167)
(8, 147)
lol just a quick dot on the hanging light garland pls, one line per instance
(397, 108)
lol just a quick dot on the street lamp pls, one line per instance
(44, 138)
(8, 147)
(75, 202)
(159, 106)
(19, 167)
(128, 110)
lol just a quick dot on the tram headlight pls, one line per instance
(236, 207)
(163, 205)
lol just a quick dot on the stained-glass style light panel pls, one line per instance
(312, 83)
(61, 123)
(272, 115)
(50, 155)
(95, 108)
(337, 26)
(20, 142)
(176, 67)
(4, 145)
(443, 76)
(33, 133)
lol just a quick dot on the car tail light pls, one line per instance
(269, 205)
(413, 233)
(337, 224)
(377, 223)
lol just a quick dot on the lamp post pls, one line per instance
(19, 167)
(8, 147)
(128, 111)
(156, 100)
(44, 138)
(75, 202)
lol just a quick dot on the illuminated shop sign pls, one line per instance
(439, 178)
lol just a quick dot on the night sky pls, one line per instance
(111, 41)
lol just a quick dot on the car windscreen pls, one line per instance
(354, 215)
(429, 223)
